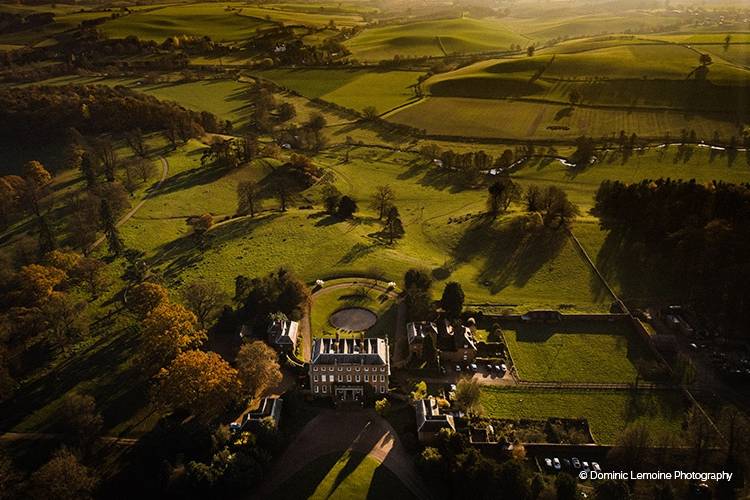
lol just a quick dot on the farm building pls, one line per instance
(283, 334)
(416, 333)
(430, 420)
(349, 369)
(269, 408)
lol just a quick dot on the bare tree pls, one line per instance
(383, 199)
(247, 197)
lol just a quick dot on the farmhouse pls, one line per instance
(455, 342)
(282, 333)
(430, 420)
(270, 408)
(417, 332)
(349, 369)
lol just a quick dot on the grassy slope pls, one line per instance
(498, 262)
(421, 38)
(607, 412)
(350, 475)
(199, 19)
(354, 89)
(583, 352)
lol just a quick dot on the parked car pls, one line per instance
(596, 467)
(503, 368)
(548, 463)
(458, 368)
(497, 368)
(489, 368)
(576, 463)
(566, 463)
(585, 465)
(473, 367)
(556, 463)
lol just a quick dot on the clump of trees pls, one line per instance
(279, 291)
(418, 294)
(673, 228)
(41, 113)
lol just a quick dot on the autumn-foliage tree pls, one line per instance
(168, 330)
(37, 179)
(62, 478)
(205, 299)
(144, 297)
(201, 382)
(258, 368)
(80, 418)
(37, 281)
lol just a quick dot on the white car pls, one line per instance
(596, 467)
(548, 463)
(556, 463)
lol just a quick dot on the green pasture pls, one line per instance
(496, 262)
(355, 89)
(433, 38)
(223, 22)
(607, 412)
(522, 120)
(343, 476)
(291, 15)
(580, 351)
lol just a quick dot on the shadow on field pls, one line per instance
(184, 252)
(511, 252)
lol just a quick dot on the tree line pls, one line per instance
(695, 235)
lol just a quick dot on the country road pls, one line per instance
(132, 211)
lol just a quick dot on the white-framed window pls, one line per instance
(325, 388)
(316, 388)
(341, 378)
(382, 389)
(315, 368)
(348, 368)
(348, 378)
(315, 378)
(341, 368)
(367, 369)
(382, 368)
(324, 378)
(382, 378)
(367, 378)
(357, 378)
(356, 369)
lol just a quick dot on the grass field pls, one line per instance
(608, 413)
(433, 38)
(351, 475)
(500, 262)
(355, 89)
(514, 120)
(222, 22)
(575, 351)
(328, 301)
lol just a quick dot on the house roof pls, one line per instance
(283, 332)
(368, 351)
(453, 339)
(417, 331)
(269, 407)
(429, 418)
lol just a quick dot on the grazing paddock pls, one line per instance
(221, 21)
(514, 120)
(355, 89)
(607, 412)
(575, 351)
(433, 38)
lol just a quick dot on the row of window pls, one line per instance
(348, 368)
(331, 378)
(325, 389)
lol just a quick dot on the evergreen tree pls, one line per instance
(109, 225)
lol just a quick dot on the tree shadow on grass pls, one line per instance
(108, 353)
(197, 176)
(511, 253)
(184, 252)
